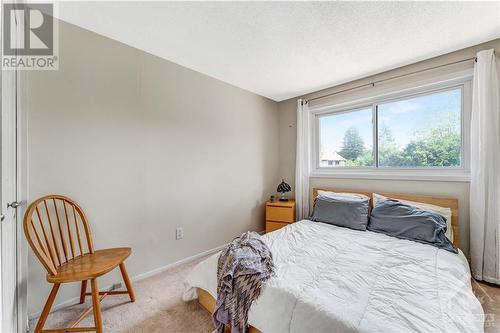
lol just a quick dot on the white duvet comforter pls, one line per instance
(332, 279)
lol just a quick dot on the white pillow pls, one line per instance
(341, 194)
(443, 211)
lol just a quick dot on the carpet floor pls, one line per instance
(159, 307)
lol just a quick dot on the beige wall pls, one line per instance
(287, 123)
(145, 146)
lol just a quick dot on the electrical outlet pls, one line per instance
(179, 233)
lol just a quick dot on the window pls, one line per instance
(346, 139)
(420, 133)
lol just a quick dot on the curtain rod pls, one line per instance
(372, 84)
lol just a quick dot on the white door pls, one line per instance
(8, 226)
(13, 152)
(8, 205)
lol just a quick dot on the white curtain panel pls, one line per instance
(302, 161)
(485, 169)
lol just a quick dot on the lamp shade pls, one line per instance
(283, 187)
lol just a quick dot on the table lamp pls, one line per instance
(283, 188)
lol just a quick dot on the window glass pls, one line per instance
(421, 132)
(346, 139)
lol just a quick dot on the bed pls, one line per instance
(334, 279)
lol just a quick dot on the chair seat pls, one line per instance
(90, 266)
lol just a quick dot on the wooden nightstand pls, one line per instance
(279, 214)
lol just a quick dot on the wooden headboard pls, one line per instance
(451, 203)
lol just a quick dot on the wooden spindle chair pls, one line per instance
(58, 232)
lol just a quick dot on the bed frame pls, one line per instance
(208, 302)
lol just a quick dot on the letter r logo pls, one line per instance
(28, 29)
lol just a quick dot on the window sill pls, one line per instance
(398, 174)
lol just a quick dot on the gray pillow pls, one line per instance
(394, 218)
(341, 211)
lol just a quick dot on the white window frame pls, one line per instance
(462, 80)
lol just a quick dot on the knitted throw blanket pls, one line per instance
(242, 268)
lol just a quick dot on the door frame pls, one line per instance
(22, 196)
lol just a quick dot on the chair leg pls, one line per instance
(83, 291)
(46, 308)
(96, 304)
(128, 284)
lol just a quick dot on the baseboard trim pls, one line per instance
(136, 278)
(175, 264)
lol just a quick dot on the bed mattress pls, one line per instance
(333, 279)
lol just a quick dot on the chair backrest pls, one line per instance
(54, 226)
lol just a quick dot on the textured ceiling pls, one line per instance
(285, 49)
